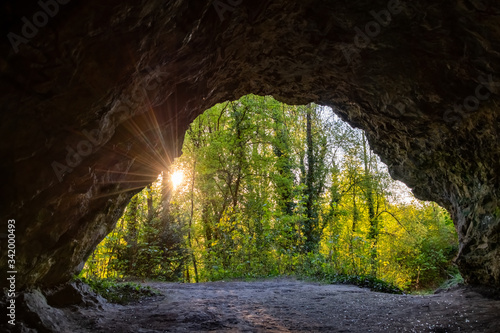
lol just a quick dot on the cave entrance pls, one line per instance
(267, 189)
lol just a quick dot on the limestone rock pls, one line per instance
(74, 293)
(35, 313)
(94, 104)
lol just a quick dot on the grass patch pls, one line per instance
(119, 292)
(367, 281)
(455, 280)
(364, 281)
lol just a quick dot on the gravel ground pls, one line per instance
(288, 305)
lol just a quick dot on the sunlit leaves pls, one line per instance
(272, 189)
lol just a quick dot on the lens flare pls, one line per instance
(177, 178)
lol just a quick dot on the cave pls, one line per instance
(92, 91)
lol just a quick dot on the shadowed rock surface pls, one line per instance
(96, 102)
(287, 305)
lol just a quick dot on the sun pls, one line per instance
(177, 178)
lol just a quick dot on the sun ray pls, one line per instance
(177, 178)
(129, 189)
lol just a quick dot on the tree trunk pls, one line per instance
(193, 177)
(368, 185)
(132, 234)
(311, 243)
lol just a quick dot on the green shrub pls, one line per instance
(366, 282)
(454, 280)
(119, 292)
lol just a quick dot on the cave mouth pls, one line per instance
(239, 158)
(423, 87)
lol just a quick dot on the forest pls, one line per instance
(265, 189)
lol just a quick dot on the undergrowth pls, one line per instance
(119, 292)
(364, 281)
(371, 282)
(455, 280)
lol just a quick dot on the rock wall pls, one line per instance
(96, 97)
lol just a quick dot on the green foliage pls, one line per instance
(455, 280)
(371, 282)
(271, 189)
(433, 245)
(314, 266)
(119, 292)
(148, 241)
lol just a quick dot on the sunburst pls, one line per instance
(177, 177)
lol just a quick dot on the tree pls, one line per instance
(276, 189)
(314, 180)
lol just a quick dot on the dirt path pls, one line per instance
(286, 305)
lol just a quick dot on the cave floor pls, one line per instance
(288, 305)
